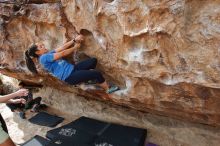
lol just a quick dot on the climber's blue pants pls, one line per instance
(84, 71)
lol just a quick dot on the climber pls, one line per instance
(5, 140)
(52, 61)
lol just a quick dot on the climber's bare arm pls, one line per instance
(65, 46)
(66, 52)
(78, 39)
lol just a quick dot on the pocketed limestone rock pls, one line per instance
(163, 54)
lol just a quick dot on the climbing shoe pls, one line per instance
(112, 89)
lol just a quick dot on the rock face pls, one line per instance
(163, 54)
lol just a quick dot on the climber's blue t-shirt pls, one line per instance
(59, 68)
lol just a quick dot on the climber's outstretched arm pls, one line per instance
(65, 46)
(66, 52)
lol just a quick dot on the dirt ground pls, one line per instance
(21, 130)
(167, 132)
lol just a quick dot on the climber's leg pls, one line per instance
(86, 64)
(80, 76)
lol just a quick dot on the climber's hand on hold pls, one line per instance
(79, 38)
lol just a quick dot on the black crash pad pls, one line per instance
(118, 135)
(70, 136)
(83, 124)
(95, 133)
(36, 141)
(66, 142)
(45, 119)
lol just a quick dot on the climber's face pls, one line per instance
(41, 49)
